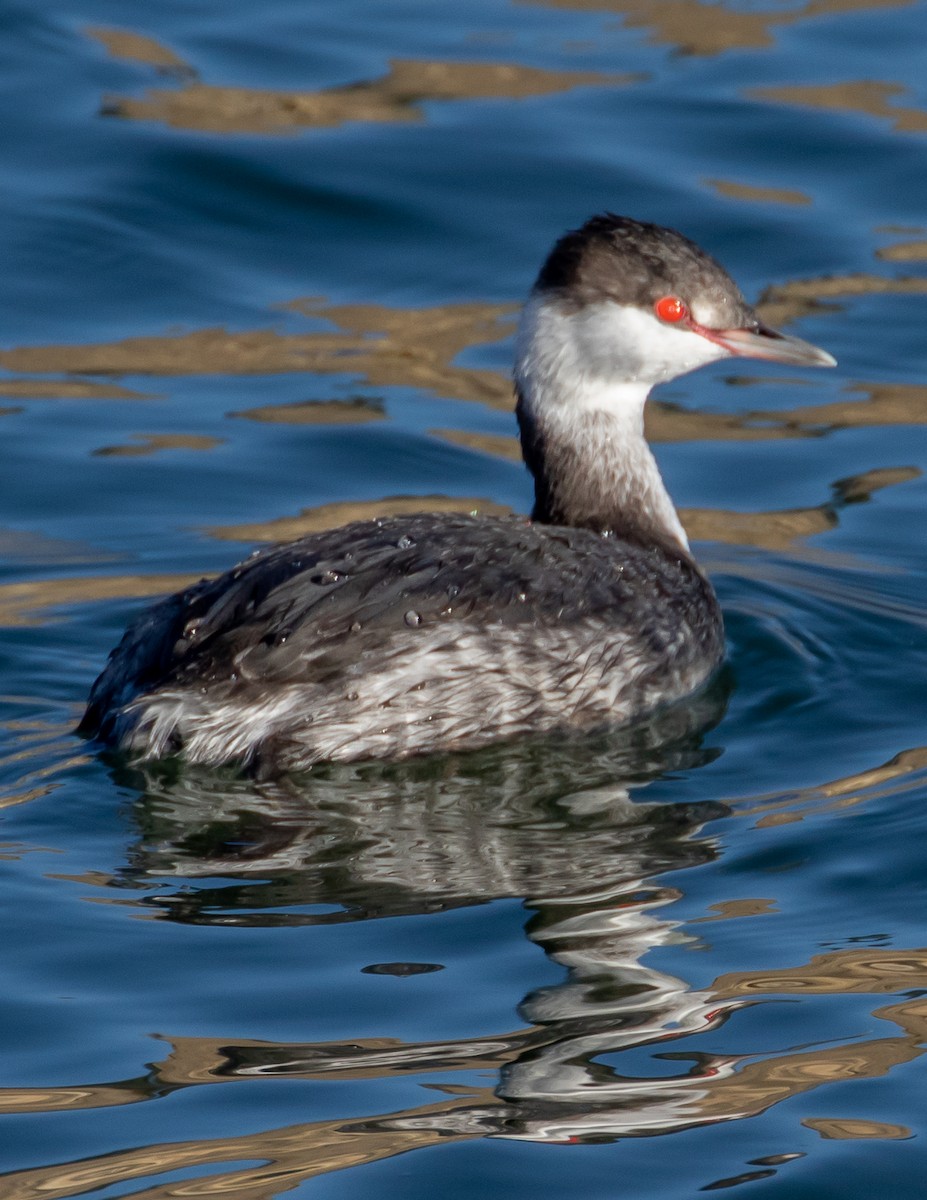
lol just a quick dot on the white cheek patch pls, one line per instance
(624, 338)
(612, 344)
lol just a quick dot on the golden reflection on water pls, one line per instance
(397, 97)
(38, 754)
(784, 530)
(25, 603)
(356, 411)
(904, 252)
(138, 47)
(781, 531)
(736, 1088)
(851, 1129)
(382, 347)
(765, 195)
(903, 772)
(782, 303)
(758, 1084)
(730, 910)
(29, 545)
(869, 96)
(288, 1156)
(706, 28)
(151, 443)
(67, 389)
(840, 972)
(330, 516)
(385, 347)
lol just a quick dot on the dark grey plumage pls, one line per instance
(337, 612)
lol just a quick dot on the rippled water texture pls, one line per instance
(261, 265)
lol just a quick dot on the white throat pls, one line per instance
(583, 379)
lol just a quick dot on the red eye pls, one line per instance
(671, 309)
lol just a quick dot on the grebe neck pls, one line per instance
(582, 376)
(591, 463)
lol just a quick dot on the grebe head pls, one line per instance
(619, 306)
(621, 302)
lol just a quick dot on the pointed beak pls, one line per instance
(763, 342)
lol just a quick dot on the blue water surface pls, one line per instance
(261, 267)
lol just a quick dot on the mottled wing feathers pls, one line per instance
(325, 606)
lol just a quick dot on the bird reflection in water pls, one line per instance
(550, 822)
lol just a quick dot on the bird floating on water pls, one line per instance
(435, 632)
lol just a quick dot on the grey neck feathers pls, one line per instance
(593, 469)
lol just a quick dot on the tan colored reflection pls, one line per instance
(152, 443)
(398, 97)
(32, 741)
(901, 773)
(301, 1152)
(780, 531)
(136, 47)
(316, 412)
(417, 347)
(729, 910)
(67, 389)
(757, 1085)
(783, 303)
(885, 404)
(869, 96)
(197, 1060)
(904, 252)
(30, 545)
(330, 516)
(495, 444)
(852, 1129)
(777, 531)
(839, 972)
(699, 28)
(783, 530)
(23, 603)
(665, 422)
(762, 195)
(64, 1099)
(27, 795)
(288, 1157)
(384, 347)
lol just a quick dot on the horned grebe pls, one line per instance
(415, 634)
